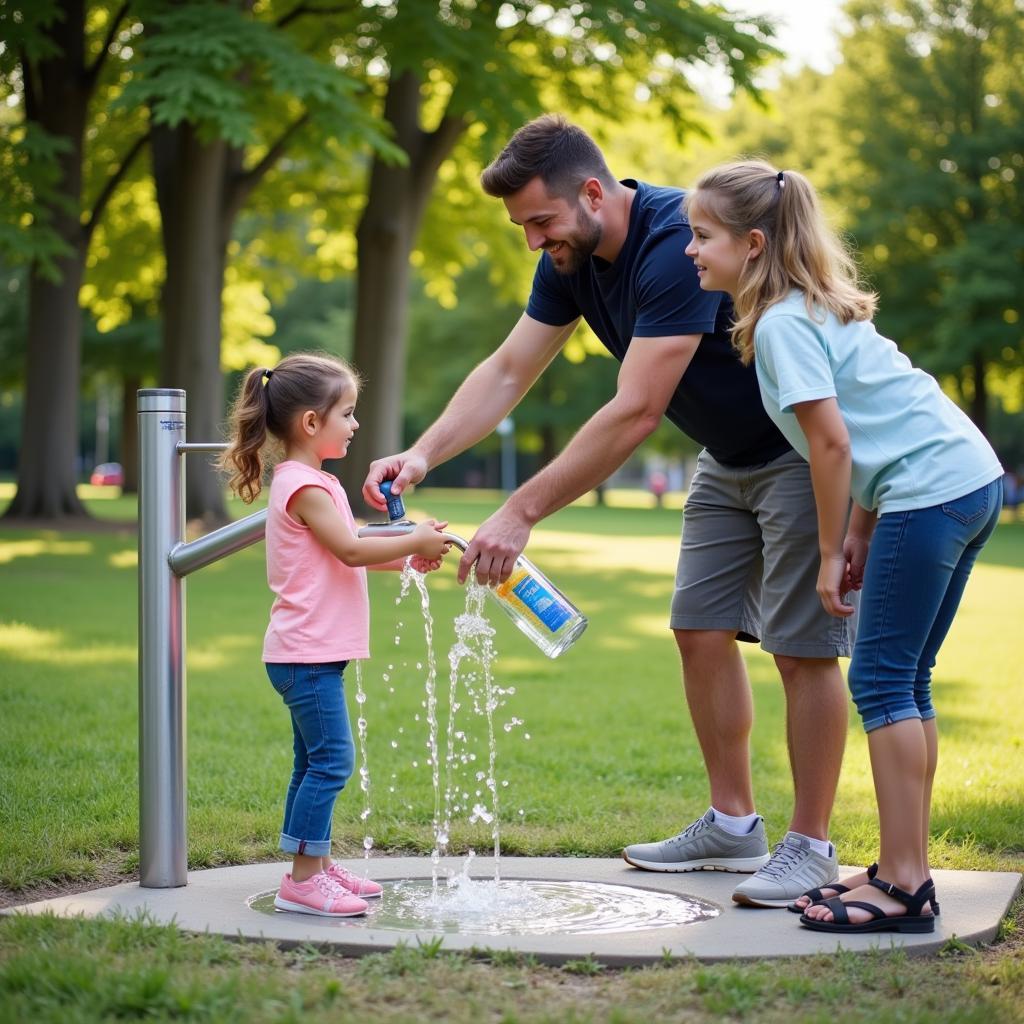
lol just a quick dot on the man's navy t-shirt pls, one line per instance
(652, 291)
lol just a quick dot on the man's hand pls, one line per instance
(403, 469)
(495, 547)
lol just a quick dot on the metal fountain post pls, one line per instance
(164, 560)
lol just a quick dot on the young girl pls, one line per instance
(924, 482)
(320, 616)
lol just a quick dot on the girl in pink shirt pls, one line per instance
(319, 621)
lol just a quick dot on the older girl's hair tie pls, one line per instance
(267, 374)
(781, 179)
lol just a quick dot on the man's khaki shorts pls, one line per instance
(749, 559)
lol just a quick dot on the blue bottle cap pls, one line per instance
(396, 507)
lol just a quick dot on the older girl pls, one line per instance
(924, 481)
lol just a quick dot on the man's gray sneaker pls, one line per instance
(703, 846)
(793, 869)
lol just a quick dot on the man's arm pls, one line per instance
(647, 380)
(483, 399)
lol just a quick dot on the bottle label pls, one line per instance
(542, 603)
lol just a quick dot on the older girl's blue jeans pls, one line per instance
(917, 568)
(324, 752)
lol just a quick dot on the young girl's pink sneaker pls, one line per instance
(352, 883)
(319, 895)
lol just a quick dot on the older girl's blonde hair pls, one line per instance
(801, 250)
(267, 406)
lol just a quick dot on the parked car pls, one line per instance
(107, 474)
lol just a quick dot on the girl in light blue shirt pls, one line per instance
(925, 486)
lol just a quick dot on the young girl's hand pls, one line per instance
(430, 540)
(425, 565)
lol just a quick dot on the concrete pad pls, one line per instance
(215, 901)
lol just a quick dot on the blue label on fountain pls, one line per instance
(542, 603)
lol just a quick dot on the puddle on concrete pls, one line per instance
(510, 907)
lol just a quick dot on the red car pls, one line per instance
(107, 474)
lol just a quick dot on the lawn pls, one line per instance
(603, 756)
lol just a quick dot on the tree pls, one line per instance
(933, 103)
(52, 62)
(452, 72)
(230, 93)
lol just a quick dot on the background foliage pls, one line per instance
(915, 140)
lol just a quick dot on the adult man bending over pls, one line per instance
(613, 254)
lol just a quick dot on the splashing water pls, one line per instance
(474, 637)
(470, 668)
(364, 766)
(411, 576)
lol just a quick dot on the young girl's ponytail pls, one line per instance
(801, 250)
(244, 456)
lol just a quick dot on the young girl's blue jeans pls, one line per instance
(917, 568)
(324, 752)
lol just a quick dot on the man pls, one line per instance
(613, 254)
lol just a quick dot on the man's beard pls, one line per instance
(581, 246)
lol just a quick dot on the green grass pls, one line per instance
(611, 759)
(55, 971)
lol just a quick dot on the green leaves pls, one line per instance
(218, 67)
(29, 182)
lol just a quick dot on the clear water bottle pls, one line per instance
(539, 608)
(527, 597)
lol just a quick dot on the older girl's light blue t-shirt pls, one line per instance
(911, 446)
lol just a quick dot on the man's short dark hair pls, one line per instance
(549, 147)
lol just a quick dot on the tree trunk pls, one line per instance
(384, 239)
(48, 458)
(190, 185)
(130, 433)
(56, 98)
(386, 234)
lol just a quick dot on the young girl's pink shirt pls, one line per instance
(322, 609)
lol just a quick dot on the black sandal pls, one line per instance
(912, 921)
(837, 887)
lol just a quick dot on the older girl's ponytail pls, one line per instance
(801, 250)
